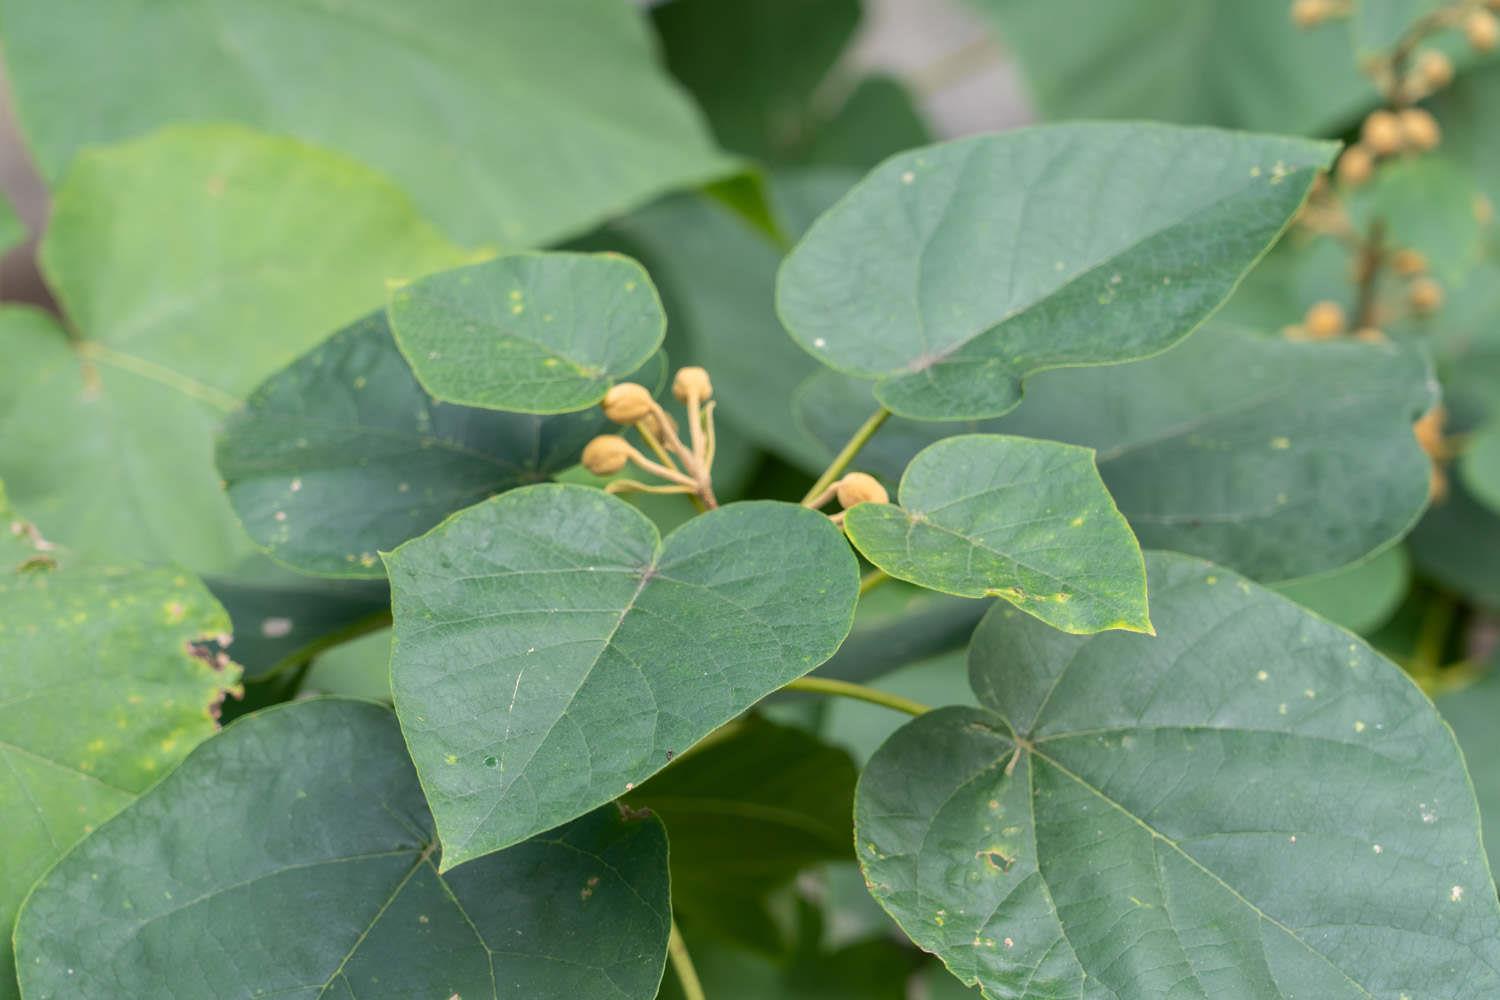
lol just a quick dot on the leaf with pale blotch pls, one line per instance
(107, 436)
(342, 454)
(551, 651)
(531, 333)
(302, 826)
(108, 677)
(985, 515)
(1278, 459)
(951, 273)
(1253, 804)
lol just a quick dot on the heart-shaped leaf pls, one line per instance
(983, 515)
(551, 652)
(342, 454)
(532, 333)
(304, 827)
(951, 273)
(505, 119)
(1253, 804)
(1276, 458)
(184, 263)
(108, 677)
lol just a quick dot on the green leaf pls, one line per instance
(951, 273)
(1200, 62)
(1480, 465)
(746, 813)
(1426, 204)
(1253, 804)
(897, 624)
(505, 119)
(880, 117)
(861, 727)
(982, 515)
(1466, 111)
(304, 826)
(533, 333)
(1278, 459)
(1361, 597)
(551, 652)
(1458, 544)
(183, 263)
(1472, 711)
(108, 677)
(342, 454)
(360, 668)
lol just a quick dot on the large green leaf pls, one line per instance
(184, 263)
(745, 814)
(1253, 804)
(1276, 458)
(342, 454)
(1361, 597)
(534, 333)
(1203, 62)
(506, 120)
(1472, 711)
(551, 651)
(108, 677)
(303, 828)
(951, 273)
(984, 515)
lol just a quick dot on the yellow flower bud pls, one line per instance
(1420, 129)
(627, 403)
(1356, 165)
(606, 454)
(1483, 30)
(1429, 430)
(857, 487)
(1324, 320)
(1435, 69)
(1381, 133)
(1370, 335)
(1311, 13)
(1409, 263)
(692, 381)
(1426, 295)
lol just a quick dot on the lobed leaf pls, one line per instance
(984, 515)
(951, 273)
(551, 651)
(1252, 804)
(303, 828)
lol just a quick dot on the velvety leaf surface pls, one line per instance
(1276, 458)
(108, 677)
(951, 273)
(1200, 62)
(1361, 597)
(303, 827)
(985, 515)
(1252, 804)
(183, 262)
(535, 333)
(342, 454)
(551, 651)
(745, 814)
(506, 120)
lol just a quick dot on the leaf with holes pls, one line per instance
(303, 824)
(951, 273)
(532, 333)
(551, 651)
(984, 515)
(342, 454)
(1252, 804)
(108, 677)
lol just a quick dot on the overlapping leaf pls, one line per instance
(506, 120)
(1361, 597)
(985, 515)
(1279, 459)
(108, 677)
(184, 263)
(1458, 544)
(551, 652)
(342, 454)
(951, 273)
(1252, 804)
(303, 828)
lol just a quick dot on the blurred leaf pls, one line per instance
(506, 120)
(183, 263)
(1467, 113)
(1231, 63)
(1480, 465)
(1379, 25)
(861, 727)
(1472, 712)
(1361, 597)
(357, 669)
(303, 826)
(977, 264)
(1457, 543)
(876, 120)
(1425, 204)
(897, 624)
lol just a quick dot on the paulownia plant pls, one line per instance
(1004, 428)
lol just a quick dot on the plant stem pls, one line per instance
(871, 580)
(844, 689)
(841, 461)
(1367, 275)
(682, 964)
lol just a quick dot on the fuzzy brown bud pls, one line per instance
(1356, 165)
(627, 403)
(692, 381)
(1429, 431)
(1381, 133)
(858, 487)
(1426, 296)
(1311, 13)
(1482, 29)
(606, 454)
(1435, 69)
(1324, 320)
(1420, 129)
(1409, 263)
